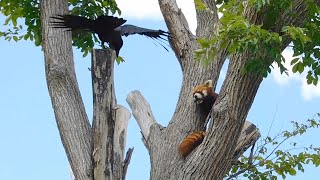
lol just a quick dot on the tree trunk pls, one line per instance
(97, 152)
(71, 118)
(109, 120)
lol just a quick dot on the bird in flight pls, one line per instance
(109, 29)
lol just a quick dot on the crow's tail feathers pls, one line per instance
(157, 35)
(161, 41)
(72, 22)
(129, 29)
(159, 38)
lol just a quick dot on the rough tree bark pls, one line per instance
(71, 118)
(95, 152)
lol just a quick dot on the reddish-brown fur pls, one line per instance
(191, 142)
(209, 99)
(195, 139)
(203, 87)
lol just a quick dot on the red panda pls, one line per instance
(191, 142)
(204, 96)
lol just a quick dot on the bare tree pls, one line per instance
(97, 151)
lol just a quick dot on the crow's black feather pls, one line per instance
(109, 29)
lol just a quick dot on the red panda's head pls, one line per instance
(202, 91)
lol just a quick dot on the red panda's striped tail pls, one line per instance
(191, 142)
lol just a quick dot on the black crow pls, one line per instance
(109, 28)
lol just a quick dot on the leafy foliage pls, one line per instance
(238, 35)
(28, 10)
(270, 165)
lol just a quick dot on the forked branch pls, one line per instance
(142, 112)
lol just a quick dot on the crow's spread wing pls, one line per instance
(72, 22)
(109, 22)
(101, 24)
(128, 29)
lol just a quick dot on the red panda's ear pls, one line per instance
(208, 83)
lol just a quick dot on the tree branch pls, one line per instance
(69, 110)
(120, 132)
(182, 39)
(248, 137)
(194, 72)
(120, 136)
(127, 162)
(206, 19)
(142, 112)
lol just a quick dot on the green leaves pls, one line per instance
(306, 43)
(15, 11)
(85, 41)
(200, 5)
(23, 20)
(270, 162)
(119, 60)
(298, 67)
(237, 35)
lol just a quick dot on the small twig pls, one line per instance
(239, 172)
(276, 147)
(264, 144)
(126, 162)
(274, 117)
(288, 150)
(251, 155)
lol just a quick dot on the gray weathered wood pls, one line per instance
(248, 137)
(104, 113)
(141, 111)
(71, 118)
(120, 135)
(110, 121)
(126, 163)
(120, 132)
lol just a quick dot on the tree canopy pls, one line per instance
(23, 20)
(238, 34)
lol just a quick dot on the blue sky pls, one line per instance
(31, 146)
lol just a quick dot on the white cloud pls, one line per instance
(308, 91)
(283, 79)
(141, 9)
(188, 9)
(149, 9)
